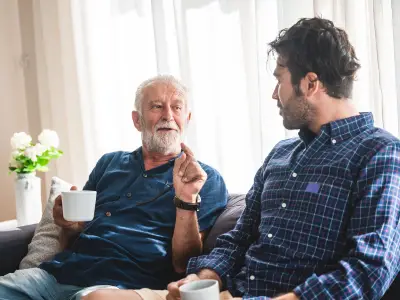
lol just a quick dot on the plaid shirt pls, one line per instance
(322, 218)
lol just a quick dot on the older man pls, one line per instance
(148, 219)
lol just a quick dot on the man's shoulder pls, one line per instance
(377, 139)
(214, 180)
(115, 155)
(211, 172)
(113, 158)
(283, 148)
(288, 143)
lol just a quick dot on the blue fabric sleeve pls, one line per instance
(214, 197)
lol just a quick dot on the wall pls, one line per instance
(13, 105)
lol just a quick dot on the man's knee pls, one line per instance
(18, 285)
(106, 294)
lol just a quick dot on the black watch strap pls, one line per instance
(187, 206)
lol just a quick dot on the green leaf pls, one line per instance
(43, 161)
(23, 159)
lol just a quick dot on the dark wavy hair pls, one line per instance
(316, 45)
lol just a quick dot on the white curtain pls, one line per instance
(219, 49)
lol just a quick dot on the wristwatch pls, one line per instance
(187, 206)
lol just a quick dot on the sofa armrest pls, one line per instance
(13, 247)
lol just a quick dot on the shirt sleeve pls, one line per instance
(214, 197)
(373, 256)
(231, 247)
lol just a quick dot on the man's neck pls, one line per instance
(154, 159)
(335, 109)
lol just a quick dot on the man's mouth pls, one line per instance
(165, 129)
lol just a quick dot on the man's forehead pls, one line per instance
(158, 89)
(280, 66)
(280, 63)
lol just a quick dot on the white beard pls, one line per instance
(168, 142)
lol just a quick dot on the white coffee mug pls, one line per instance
(206, 289)
(78, 206)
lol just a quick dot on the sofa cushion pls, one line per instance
(45, 242)
(13, 247)
(227, 220)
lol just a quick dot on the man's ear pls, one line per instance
(312, 84)
(136, 120)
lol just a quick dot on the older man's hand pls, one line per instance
(59, 220)
(189, 176)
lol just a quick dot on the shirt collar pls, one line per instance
(138, 155)
(340, 130)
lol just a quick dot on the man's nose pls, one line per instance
(167, 114)
(275, 93)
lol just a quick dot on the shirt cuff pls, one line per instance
(192, 266)
(311, 289)
(196, 264)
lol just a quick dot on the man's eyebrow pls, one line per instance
(154, 101)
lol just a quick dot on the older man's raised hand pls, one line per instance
(189, 176)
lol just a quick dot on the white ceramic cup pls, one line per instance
(206, 289)
(78, 206)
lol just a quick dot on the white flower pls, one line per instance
(39, 149)
(15, 164)
(49, 138)
(20, 140)
(15, 154)
(30, 152)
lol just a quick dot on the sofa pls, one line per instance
(14, 243)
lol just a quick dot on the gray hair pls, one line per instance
(158, 79)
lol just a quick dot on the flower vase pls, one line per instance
(28, 199)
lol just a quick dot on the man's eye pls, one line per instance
(156, 106)
(178, 108)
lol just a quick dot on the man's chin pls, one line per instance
(168, 149)
(171, 150)
(288, 125)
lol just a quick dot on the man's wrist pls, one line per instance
(187, 198)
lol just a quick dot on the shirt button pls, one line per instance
(144, 175)
(294, 175)
(333, 141)
(269, 235)
(129, 195)
(252, 277)
(283, 205)
(108, 214)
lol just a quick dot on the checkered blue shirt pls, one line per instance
(321, 220)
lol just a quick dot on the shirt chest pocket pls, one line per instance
(323, 206)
